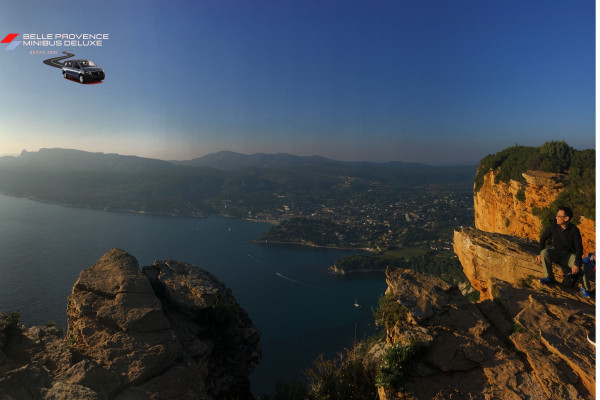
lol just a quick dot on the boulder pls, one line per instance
(193, 300)
(177, 333)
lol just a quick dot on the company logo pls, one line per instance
(10, 39)
(46, 40)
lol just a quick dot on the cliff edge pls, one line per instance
(169, 331)
(522, 343)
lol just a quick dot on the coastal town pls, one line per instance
(374, 218)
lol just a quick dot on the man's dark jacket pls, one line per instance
(568, 240)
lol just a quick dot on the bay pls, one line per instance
(300, 308)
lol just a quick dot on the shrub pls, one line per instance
(473, 296)
(393, 369)
(513, 161)
(389, 311)
(14, 318)
(350, 378)
(558, 156)
(521, 194)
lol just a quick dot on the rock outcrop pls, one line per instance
(522, 343)
(172, 331)
(485, 256)
(498, 208)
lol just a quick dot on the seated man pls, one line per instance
(566, 250)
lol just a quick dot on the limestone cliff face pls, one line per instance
(172, 331)
(467, 347)
(498, 209)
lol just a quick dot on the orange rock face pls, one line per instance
(498, 210)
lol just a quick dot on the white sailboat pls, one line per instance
(356, 302)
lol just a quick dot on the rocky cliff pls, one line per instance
(168, 331)
(485, 256)
(521, 343)
(508, 208)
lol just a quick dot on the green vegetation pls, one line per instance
(389, 311)
(518, 328)
(550, 157)
(555, 156)
(350, 377)
(442, 264)
(14, 318)
(354, 374)
(393, 369)
(318, 232)
(50, 324)
(521, 194)
(473, 296)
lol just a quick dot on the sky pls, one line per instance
(439, 82)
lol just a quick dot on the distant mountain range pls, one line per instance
(198, 186)
(77, 160)
(69, 159)
(229, 160)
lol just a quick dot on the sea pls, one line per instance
(301, 309)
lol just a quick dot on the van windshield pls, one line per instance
(87, 63)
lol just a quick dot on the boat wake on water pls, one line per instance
(289, 279)
(257, 259)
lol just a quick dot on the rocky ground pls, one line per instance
(172, 331)
(523, 343)
(523, 340)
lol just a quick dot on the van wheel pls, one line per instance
(81, 79)
(65, 74)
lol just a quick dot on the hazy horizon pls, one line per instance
(251, 154)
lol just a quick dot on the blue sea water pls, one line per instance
(300, 308)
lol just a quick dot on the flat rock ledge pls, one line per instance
(168, 331)
(485, 256)
(523, 343)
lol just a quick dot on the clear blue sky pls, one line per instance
(440, 82)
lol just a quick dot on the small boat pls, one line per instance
(356, 303)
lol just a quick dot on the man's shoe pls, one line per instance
(547, 281)
(585, 293)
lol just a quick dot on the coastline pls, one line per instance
(90, 207)
(308, 244)
(337, 271)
